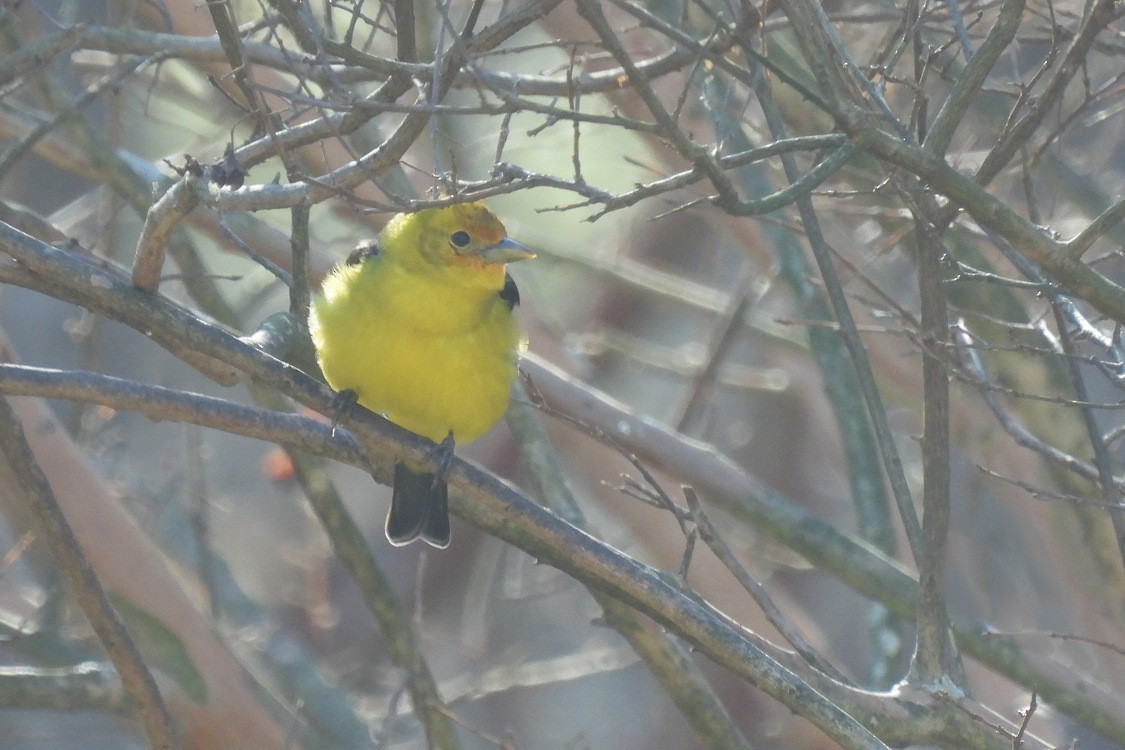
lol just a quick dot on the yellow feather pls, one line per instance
(419, 330)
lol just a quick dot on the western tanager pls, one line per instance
(419, 326)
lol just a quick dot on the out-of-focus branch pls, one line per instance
(30, 57)
(965, 191)
(989, 211)
(222, 16)
(668, 660)
(110, 169)
(834, 290)
(857, 564)
(1105, 222)
(968, 83)
(973, 371)
(1110, 492)
(1098, 16)
(127, 68)
(846, 370)
(21, 471)
(82, 687)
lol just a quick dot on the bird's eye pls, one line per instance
(460, 239)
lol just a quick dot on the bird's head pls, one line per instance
(466, 236)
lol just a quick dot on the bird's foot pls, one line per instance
(442, 455)
(342, 403)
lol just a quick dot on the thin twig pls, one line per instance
(974, 369)
(1027, 713)
(968, 83)
(591, 11)
(1093, 434)
(1105, 221)
(773, 613)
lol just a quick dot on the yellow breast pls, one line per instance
(434, 357)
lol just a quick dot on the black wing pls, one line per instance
(364, 250)
(510, 294)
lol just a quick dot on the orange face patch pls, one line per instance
(483, 225)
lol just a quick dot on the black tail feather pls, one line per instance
(419, 508)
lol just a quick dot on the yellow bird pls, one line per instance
(419, 326)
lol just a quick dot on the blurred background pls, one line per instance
(711, 324)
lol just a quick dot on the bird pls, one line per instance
(419, 325)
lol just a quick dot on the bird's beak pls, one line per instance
(506, 251)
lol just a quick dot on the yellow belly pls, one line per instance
(429, 382)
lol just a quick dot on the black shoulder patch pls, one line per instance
(364, 250)
(510, 293)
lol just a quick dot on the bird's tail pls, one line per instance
(419, 508)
